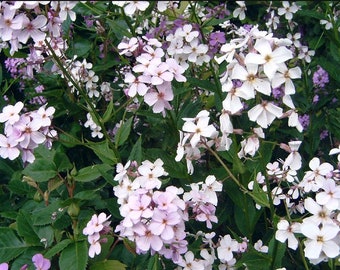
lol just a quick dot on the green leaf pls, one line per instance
(62, 162)
(74, 256)
(81, 47)
(259, 196)
(108, 265)
(103, 152)
(154, 263)
(91, 173)
(254, 261)
(26, 228)
(57, 248)
(41, 170)
(123, 132)
(276, 251)
(108, 113)
(10, 245)
(48, 214)
(119, 28)
(136, 152)
(204, 84)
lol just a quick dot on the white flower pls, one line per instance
(240, 12)
(260, 247)
(226, 248)
(284, 76)
(330, 197)
(320, 240)
(251, 80)
(288, 9)
(285, 231)
(201, 128)
(321, 215)
(313, 180)
(294, 158)
(335, 151)
(269, 58)
(264, 114)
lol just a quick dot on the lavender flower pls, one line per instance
(304, 120)
(320, 78)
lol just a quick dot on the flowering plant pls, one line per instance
(169, 135)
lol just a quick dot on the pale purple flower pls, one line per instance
(163, 223)
(32, 29)
(9, 23)
(145, 239)
(159, 100)
(40, 262)
(8, 148)
(10, 113)
(285, 231)
(3, 266)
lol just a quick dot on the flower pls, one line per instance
(226, 248)
(260, 247)
(294, 160)
(285, 231)
(268, 57)
(4, 266)
(264, 113)
(330, 197)
(320, 240)
(288, 9)
(10, 113)
(240, 11)
(200, 129)
(40, 262)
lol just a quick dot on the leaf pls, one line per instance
(276, 251)
(48, 214)
(57, 248)
(204, 84)
(26, 228)
(259, 196)
(81, 47)
(74, 256)
(136, 152)
(54, 183)
(123, 132)
(10, 245)
(62, 162)
(103, 152)
(41, 170)
(108, 265)
(254, 261)
(154, 263)
(91, 173)
(108, 113)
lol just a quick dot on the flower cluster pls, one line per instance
(155, 219)
(25, 132)
(151, 76)
(97, 226)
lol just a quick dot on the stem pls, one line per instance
(87, 100)
(303, 257)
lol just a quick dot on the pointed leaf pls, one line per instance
(74, 256)
(57, 248)
(108, 265)
(26, 228)
(91, 173)
(10, 245)
(103, 151)
(123, 132)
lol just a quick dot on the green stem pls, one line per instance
(303, 256)
(87, 99)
